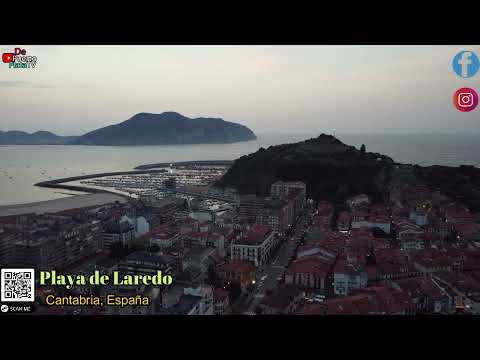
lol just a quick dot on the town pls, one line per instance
(415, 252)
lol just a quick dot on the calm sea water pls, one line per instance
(23, 166)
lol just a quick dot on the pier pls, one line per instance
(186, 163)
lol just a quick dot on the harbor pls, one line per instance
(192, 181)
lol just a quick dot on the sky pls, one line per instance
(270, 89)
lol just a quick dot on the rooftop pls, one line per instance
(238, 266)
(310, 265)
(184, 306)
(254, 236)
(282, 296)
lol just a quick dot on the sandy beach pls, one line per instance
(57, 205)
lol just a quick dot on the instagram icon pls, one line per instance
(465, 99)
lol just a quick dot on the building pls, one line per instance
(205, 293)
(275, 213)
(426, 294)
(140, 224)
(419, 217)
(358, 200)
(310, 273)
(282, 189)
(348, 278)
(117, 232)
(249, 206)
(412, 243)
(221, 304)
(427, 264)
(57, 246)
(282, 301)
(407, 229)
(200, 258)
(205, 239)
(255, 245)
(318, 251)
(177, 301)
(381, 221)
(146, 263)
(7, 238)
(378, 300)
(295, 192)
(241, 272)
(464, 288)
(343, 221)
(164, 237)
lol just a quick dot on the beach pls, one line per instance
(57, 205)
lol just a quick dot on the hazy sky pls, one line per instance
(301, 89)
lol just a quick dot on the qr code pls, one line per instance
(18, 284)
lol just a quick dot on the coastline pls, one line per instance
(141, 169)
(93, 197)
(57, 205)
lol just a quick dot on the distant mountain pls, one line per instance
(167, 128)
(37, 138)
(332, 170)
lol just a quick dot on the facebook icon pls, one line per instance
(466, 64)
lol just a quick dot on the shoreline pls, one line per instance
(63, 204)
(91, 196)
(141, 169)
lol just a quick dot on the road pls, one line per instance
(268, 275)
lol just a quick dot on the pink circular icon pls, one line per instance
(465, 99)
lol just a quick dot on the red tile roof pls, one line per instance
(256, 234)
(220, 294)
(344, 217)
(359, 304)
(282, 297)
(467, 228)
(343, 267)
(238, 266)
(309, 265)
(312, 309)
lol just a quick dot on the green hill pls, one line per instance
(331, 169)
(167, 128)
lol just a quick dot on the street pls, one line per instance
(269, 276)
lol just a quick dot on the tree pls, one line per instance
(363, 149)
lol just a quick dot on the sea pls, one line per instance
(21, 166)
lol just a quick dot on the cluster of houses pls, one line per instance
(417, 255)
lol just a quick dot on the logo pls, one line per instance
(7, 57)
(466, 64)
(4, 308)
(465, 99)
(18, 59)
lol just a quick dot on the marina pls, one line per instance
(192, 181)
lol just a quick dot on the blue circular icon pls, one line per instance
(465, 64)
